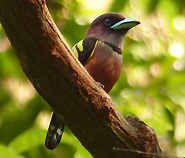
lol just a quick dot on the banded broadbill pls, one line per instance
(101, 55)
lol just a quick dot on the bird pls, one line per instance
(100, 52)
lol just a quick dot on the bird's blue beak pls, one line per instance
(126, 23)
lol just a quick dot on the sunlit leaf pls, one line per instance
(28, 140)
(5, 152)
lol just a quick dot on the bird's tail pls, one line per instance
(55, 132)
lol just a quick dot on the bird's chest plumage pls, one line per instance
(105, 65)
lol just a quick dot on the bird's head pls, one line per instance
(111, 28)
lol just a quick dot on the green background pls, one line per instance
(151, 86)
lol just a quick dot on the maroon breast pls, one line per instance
(105, 65)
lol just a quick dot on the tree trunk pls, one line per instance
(62, 81)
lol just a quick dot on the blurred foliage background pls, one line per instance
(151, 86)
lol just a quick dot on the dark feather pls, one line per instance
(55, 131)
(88, 46)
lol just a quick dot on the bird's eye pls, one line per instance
(108, 22)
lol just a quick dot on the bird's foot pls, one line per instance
(101, 85)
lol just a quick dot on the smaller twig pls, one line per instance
(146, 153)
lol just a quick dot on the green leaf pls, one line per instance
(28, 140)
(116, 7)
(7, 153)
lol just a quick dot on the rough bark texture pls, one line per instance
(62, 81)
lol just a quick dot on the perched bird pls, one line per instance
(101, 55)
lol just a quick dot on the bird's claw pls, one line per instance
(101, 85)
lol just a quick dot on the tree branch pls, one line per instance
(62, 81)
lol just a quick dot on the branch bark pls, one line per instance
(62, 81)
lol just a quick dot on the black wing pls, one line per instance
(85, 49)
